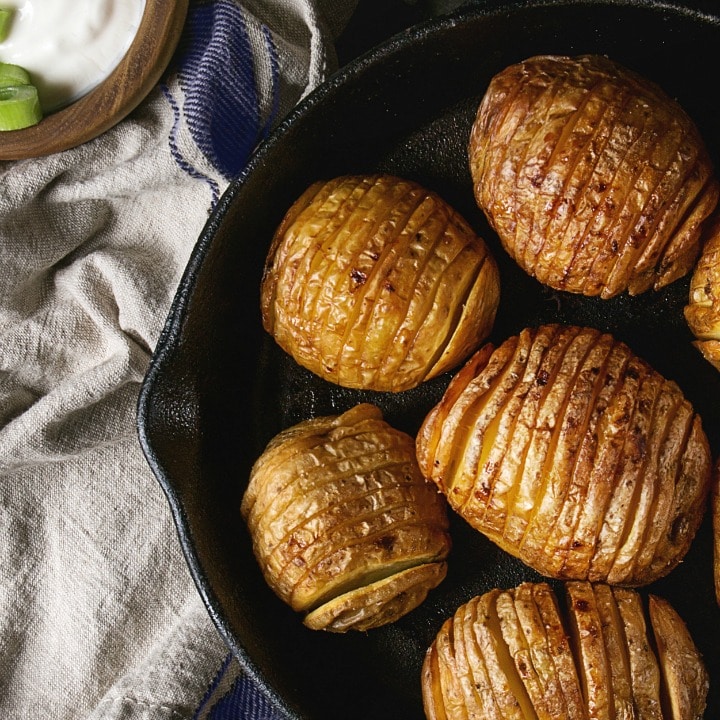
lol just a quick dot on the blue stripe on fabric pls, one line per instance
(217, 76)
(175, 151)
(242, 701)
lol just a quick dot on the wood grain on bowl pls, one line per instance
(112, 100)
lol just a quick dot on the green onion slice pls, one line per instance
(6, 15)
(19, 107)
(13, 75)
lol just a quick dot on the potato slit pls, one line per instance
(625, 425)
(682, 250)
(598, 459)
(348, 485)
(360, 267)
(541, 653)
(529, 166)
(688, 208)
(558, 171)
(378, 289)
(382, 540)
(555, 482)
(513, 123)
(627, 207)
(538, 379)
(477, 309)
(479, 673)
(464, 661)
(646, 220)
(463, 426)
(332, 519)
(594, 240)
(562, 655)
(323, 453)
(616, 651)
(598, 158)
(551, 342)
(521, 653)
(644, 668)
(442, 420)
(670, 407)
(443, 332)
(510, 693)
(307, 282)
(452, 697)
(585, 393)
(591, 117)
(480, 454)
(643, 449)
(290, 257)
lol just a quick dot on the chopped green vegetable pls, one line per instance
(13, 75)
(6, 15)
(19, 107)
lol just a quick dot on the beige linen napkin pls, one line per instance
(98, 615)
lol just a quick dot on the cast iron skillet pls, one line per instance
(218, 388)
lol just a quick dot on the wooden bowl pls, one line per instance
(114, 98)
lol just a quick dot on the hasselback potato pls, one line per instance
(572, 454)
(343, 525)
(373, 282)
(595, 180)
(703, 309)
(528, 654)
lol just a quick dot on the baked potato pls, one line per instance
(373, 282)
(343, 525)
(594, 179)
(703, 309)
(525, 653)
(571, 453)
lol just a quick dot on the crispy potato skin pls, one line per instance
(572, 454)
(685, 678)
(528, 654)
(702, 312)
(595, 180)
(373, 282)
(343, 525)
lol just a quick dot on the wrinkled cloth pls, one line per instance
(99, 617)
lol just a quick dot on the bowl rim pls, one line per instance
(112, 99)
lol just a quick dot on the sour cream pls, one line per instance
(69, 46)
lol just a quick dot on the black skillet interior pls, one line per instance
(218, 388)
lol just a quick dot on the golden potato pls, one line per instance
(344, 527)
(373, 282)
(523, 654)
(703, 309)
(684, 675)
(594, 179)
(572, 454)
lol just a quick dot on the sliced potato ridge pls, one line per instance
(589, 646)
(343, 524)
(685, 684)
(374, 282)
(567, 166)
(519, 653)
(572, 454)
(563, 416)
(644, 669)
